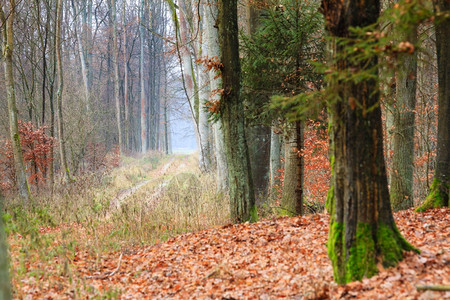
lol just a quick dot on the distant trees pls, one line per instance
(74, 79)
(440, 189)
(7, 15)
(362, 228)
(278, 59)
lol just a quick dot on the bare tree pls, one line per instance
(62, 143)
(7, 14)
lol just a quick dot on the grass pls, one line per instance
(79, 218)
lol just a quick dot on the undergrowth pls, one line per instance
(80, 216)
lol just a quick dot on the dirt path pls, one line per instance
(124, 194)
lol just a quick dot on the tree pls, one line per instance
(59, 93)
(215, 82)
(362, 228)
(116, 74)
(278, 59)
(5, 287)
(403, 110)
(440, 189)
(204, 128)
(242, 198)
(7, 19)
(125, 77)
(144, 128)
(81, 52)
(292, 200)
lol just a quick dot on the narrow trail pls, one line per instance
(124, 194)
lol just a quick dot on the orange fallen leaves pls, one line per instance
(282, 258)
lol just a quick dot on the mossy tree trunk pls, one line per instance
(440, 189)
(5, 285)
(362, 228)
(7, 14)
(401, 191)
(242, 197)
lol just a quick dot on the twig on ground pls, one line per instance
(104, 276)
(433, 287)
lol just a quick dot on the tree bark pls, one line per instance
(203, 124)
(125, 79)
(215, 85)
(259, 151)
(144, 128)
(440, 188)
(8, 43)
(242, 198)
(116, 75)
(82, 55)
(275, 157)
(292, 200)
(5, 284)
(403, 133)
(188, 74)
(59, 93)
(362, 230)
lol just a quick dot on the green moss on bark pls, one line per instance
(371, 245)
(362, 259)
(329, 204)
(335, 246)
(435, 198)
(254, 214)
(391, 245)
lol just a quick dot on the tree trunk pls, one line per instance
(116, 75)
(293, 171)
(8, 43)
(5, 284)
(188, 73)
(259, 149)
(362, 230)
(142, 83)
(275, 157)
(82, 55)
(440, 189)
(203, 124)
(403, 133)
(125, 79)
(242, 198)
(59, 93)
(216, 84)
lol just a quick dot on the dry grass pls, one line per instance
(164, 205)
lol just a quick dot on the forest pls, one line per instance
(224, 149)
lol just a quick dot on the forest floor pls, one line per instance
(282, 257)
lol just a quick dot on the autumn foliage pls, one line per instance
(317, 165)
(317, 173)
(36, 148)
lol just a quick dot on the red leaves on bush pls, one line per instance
(36, 149)
(316, 163)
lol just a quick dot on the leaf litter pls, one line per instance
(271, 259)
